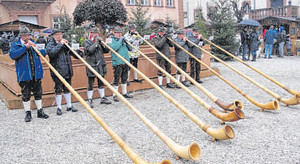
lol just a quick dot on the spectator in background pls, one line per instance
(288, 45)
(281, 40)
(41, 40)
(244, 41)
(275, 44)
(254, 44)
(269, 41)
(5, 44)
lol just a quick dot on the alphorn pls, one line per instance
(226, 106)
(130, 153)
(292, 101)
(217, 134)
(291, 91)
(237, 114)
(273, 105)
(192, 151)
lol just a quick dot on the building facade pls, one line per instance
(47, 12)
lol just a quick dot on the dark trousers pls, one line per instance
(134, 62)
(164, 64)
(91, 81)
(59, 86)
(34, 86)
(182, 66)
(195, 67)
(120, 71)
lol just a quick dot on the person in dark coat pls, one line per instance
(95, 50)
(29, 71)
(5, 44)
(119, 66)
(195, 66)
(163, 44)
(281, 37)
(41, 40)
(245, 41)
(254, 44)
(181, 57)
(60, 59)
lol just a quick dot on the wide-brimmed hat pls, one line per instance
(24, 30)
(117, 29)
(161, 29)
(132, 26)
(195, 29)
(180, 31)
(56, 30)
(94, 30)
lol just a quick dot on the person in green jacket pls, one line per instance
(119, 67)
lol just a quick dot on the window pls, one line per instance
(145, 2)
(170, 3)
(157, 2)
(130, 2)
(56, 21)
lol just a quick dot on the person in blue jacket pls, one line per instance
(119, 67)
(29, 71)
(270, 36)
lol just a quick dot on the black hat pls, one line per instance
(24, 30)
(195, 29)
(55, 30)
(94, 30)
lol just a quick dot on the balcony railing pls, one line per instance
(284, 11)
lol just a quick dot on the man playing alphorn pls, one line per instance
(195, 66)
(60, 59)
(163, 44)
(95, 50)
(120, 68)
(29, 71)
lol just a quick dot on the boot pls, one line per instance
(104, 100)
(116, 99)
(199, 81)
(127, 96)
(28, 116)
(58, 112)
(72, 108)
(90, 101)
(185, 83)
(137, 81)
(42, 114)
(169, 85)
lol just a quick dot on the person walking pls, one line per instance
(269, 41)
(244, 42)
(163, 44)
(60, 59)
(120, 68)
(29, 72)
(95, 50)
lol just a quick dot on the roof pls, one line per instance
(292, 19)
(14, 25)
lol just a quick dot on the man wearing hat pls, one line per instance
(95, 50)
(163, 44)
(29, 71)
(60, 59)
(195, 66)
(135, 40)
(181, 57)
(120, 68)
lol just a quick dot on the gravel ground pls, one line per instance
(262, 137)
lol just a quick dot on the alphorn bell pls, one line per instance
(273, 105)
(131, 153)
(218, 134)
(291, 91)
(292, 101)
(233, 116)
(226, 106)
(192, 151)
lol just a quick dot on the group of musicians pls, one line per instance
(30, 72)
